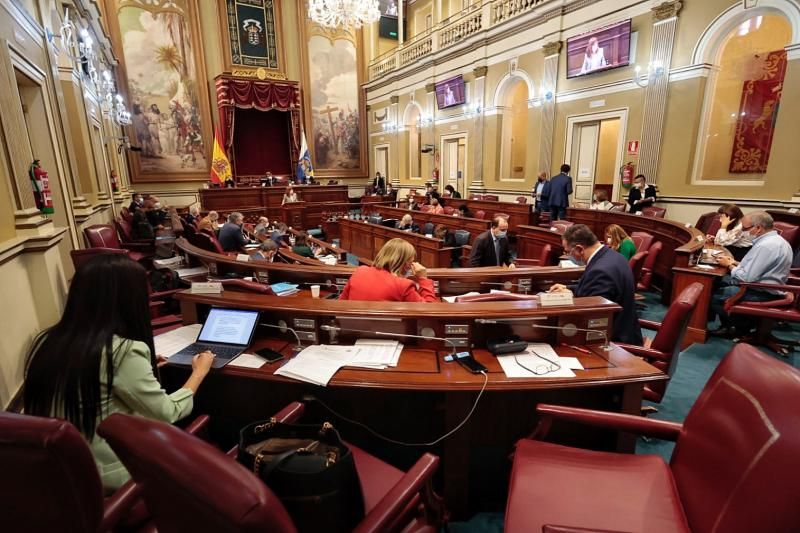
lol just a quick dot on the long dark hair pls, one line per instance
(108, 297)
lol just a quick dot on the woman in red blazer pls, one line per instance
(386, 279)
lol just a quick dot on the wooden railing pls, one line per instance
(451, 31)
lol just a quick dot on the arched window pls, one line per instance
(514, 130)
(743, 99)
(412, 117)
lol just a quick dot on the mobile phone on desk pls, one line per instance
(270, 355)
(466, 360)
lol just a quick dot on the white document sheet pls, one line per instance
(188, 272)
(452, 299)
(318, 364)
(248, 360)
(172, 342)
(376, 353)
(514, 365)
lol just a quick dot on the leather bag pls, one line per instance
(310, 469)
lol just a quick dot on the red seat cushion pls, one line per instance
(552, 484)
(137, 256)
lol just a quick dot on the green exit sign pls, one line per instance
(393, 34)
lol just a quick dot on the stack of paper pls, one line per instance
(566, 263)
(284, 289)
(452, 299)
(534, 362)
(172, 342)
(317, 364)
(172, 262)
(189, 272)
(376, 353)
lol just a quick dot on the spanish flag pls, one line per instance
(220, 166)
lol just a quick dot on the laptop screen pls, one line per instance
(229, 326)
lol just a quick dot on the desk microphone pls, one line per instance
(568, 329)
(507, 285)
(333, 329)
(283, 327)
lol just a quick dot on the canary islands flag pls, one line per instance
(220, 165)
(304, 167)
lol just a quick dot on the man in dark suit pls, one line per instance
(230, 235)
(541, 193)
(378, 184)
(641, 195)
(560, 189)
(607, 274)
(491, 248)
(136, 203)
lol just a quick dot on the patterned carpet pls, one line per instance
(695, 366)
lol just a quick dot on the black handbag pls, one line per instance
(310, 469)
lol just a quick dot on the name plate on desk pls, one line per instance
(242, 257)
(555, 299)
(206, 287)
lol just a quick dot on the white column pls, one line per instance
(549, 81)
(400, 17)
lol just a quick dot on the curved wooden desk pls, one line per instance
(424, 397)
(447, 281)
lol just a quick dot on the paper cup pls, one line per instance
(315, 291)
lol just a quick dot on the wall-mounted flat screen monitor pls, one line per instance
(388, 26)
(451, 92)
(599, 50)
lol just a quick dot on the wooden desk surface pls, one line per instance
(424, 397)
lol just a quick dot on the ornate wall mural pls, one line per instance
(168, 99)
(334, 122)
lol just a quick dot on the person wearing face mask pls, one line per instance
(491, 247)
(768, 261)
(607, 274)
(393, 277)
(730, 234)
(641, 195)
(231, 237)
(541, 192)
(618, 240)
(600, 201)
(137, 202)
(378, 184)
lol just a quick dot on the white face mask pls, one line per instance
(157, 205)
(608, 241)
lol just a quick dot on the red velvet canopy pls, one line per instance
(261, 95)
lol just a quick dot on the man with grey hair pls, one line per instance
(231, 237)
(768, 261)
(541, 192)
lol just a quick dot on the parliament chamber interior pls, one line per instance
(381, 265)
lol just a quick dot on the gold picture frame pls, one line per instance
(184, 157)
(321, 169)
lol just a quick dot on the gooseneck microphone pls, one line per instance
(333, 329)
(283, 327)
(568, 329)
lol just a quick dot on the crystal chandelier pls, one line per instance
(343, 13)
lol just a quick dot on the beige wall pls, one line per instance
(607, 151)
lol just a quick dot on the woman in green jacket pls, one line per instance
(617, 239)
(99, 360)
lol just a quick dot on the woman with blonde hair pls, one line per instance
(618, 240)
(394, 276)
(407, 224)
(209, 222)
(289, 197)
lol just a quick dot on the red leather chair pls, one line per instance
(522, 199)
(739, 441)
(642, 240)
(790, 232)
(207, 242)
(636, 263)
(560, 226)
(645, 280)
(654, 212)
(666, 346)
(191, 486)
(480, 214)
(104, 236)
(545, 258)
(618, 207)
(705, 220)
(785, 309)
(124, 229)
(544, 219)
(491, 197)
(50, 480)
(81, 257)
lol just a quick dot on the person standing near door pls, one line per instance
(560, 189)
(541, 193)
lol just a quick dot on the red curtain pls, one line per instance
(758, 111)
(261, 143)
(260, 96)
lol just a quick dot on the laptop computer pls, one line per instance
(226, 333)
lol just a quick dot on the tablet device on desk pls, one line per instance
(226, 333)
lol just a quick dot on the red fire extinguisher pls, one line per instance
(627, 172)
(41, 188)
(114, 181)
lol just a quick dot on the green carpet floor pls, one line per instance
(695, 366)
